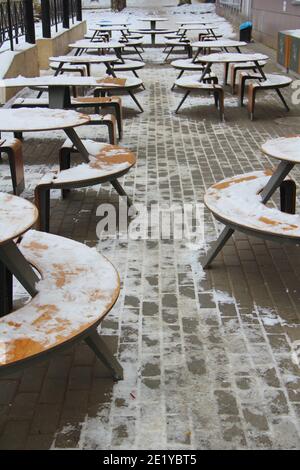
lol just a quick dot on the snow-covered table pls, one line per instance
(17, 215)
(153, 30)
(217, 44)
(45, 119)
(86, 60)
(230, 58)
(240, 202)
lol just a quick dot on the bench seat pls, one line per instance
(236, 202)
(106, 163)
(77, 288)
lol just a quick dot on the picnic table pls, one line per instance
(17, 215)
(86, 60)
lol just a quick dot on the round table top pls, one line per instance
(152, 18)
(17, 215)
(39, 119)
(212, 21)
(84, 44)
(83, 59)
(109, 28)
(283, 148)
(228, 57)
(154, 31)
(49, 81)
(219, 43)
(198, 28)
(111, 23)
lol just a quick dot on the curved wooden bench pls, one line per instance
(236, 202)
(192, 84)
(129, 66)
(13, 149)
(113, 85)
(273, 82)
(188, 64)
(77, 289)
(175, 43)
(235, 68)
(106, 163)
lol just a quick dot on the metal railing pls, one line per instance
(12, 24)
(17, 18)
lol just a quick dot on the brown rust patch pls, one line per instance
(274, 223)
(226, 184)
(96, 295)
(14, 324)
(21, 348)
(112, 81)
(61, 275)
(267, 221)
(36, 246)
(47, 311)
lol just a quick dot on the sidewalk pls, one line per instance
(210, 358)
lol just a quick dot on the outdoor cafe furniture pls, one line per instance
(200, 21)
(153, 33)
(271, 82)
(85, 60)
(118, 47)
(223, 44)
(153, 20)
(245, 66)
(44, 119)
(190, 65)
(228, 58)
(240, 202)
(104, 163)
(13, 149)
(83, 45)
(192, 84)
(74, 290)
(208, 30)
(59, 87)
(172, 44)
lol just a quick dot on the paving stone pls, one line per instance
(209, 357)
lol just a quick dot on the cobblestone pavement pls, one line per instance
(210, 359)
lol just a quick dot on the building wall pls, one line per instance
(268, 16)
(271, 16)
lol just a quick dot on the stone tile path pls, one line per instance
(210, 359)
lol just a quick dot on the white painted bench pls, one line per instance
(76, 290)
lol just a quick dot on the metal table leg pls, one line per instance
(15, 262)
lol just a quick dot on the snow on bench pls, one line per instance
(78, 287)
(237, 202)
